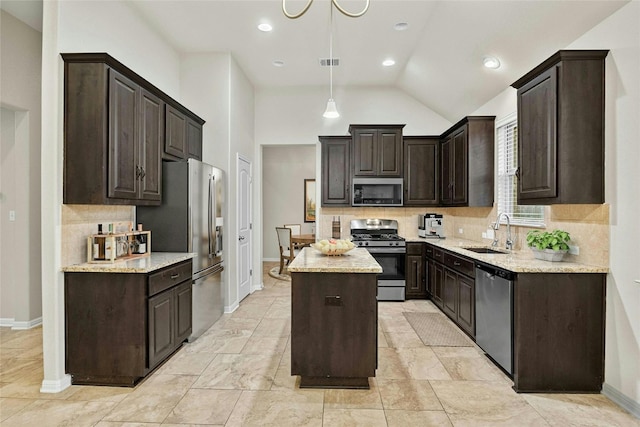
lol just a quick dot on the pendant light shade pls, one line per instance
(331, 112)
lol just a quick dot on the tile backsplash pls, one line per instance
(80, 221)
(588, 225)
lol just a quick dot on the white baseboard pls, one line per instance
(621, 399)
(257, 287)
(231, 308)
(20, 325)
(55, 386)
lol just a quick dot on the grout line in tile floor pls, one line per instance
(220, 380)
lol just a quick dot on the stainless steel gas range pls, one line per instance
(380, 238)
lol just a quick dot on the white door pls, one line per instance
(244, 227)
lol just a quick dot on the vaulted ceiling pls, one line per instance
(438, 57)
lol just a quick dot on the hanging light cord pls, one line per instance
(330, 53)
(334, 2)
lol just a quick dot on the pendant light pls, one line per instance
(331, 112)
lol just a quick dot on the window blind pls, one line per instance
(529, 215)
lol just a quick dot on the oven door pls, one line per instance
(391, 282)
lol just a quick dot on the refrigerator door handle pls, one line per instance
(210, 214)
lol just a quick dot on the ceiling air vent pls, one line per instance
(328, 62)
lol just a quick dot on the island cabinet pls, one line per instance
(416, 271)
(421, 170)
(559, 332)
(377, 150)
(336, 170)
(561, 130)
(120, 326)
(466, 163)
(114, 132)
(334, 319)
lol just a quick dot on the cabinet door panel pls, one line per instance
(450, 294)
(151, 138)
(336, 171)
(389, 153)
(123, 129)
(183, 306)
(194, 139)
(466, 304)
(438, 283)
(364, 153)
(537, 137)
(446, 189)
(421, 172)
(175, 142)
(415, 277)
(161, 327)
(460, 164)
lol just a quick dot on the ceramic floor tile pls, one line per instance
(187, 363)
(236, 324)
(403, 340)
(273, 328)
(485, 403)
(59, 413)
(472, 368)
(284, 380)
(98, 393)
(264, 345)
(10, 406)
(121, 424)
(15, 369)
(278, 408)
(239, 372)
(353, 399)
(153, 400)
(219, 341)
(411, 395)
(401, 418)
(579, 410)
(354, 418)
(421, 364)
(201, 406)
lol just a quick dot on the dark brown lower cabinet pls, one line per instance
(450, 294)
(415, 271)
(436, 279)
(120, 326)
(334, 321)
(559, 329)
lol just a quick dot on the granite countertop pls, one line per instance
(357, 260)
(518, 261)
(155, 261)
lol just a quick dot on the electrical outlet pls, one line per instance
(460, 230)
(574, 250)
(484, 234)
(490, 233)
(12, 215)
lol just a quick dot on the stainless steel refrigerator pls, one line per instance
(190, 220)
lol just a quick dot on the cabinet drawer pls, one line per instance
(171, 276)
(414, 248)
(438, 255)
(429, 251)
(459, 264)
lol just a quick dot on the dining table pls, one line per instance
(302, 240)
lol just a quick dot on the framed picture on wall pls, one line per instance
(309, 200)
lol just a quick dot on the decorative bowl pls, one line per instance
(333, 247)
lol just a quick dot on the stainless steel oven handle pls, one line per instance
(385, 250)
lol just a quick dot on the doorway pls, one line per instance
(244, 248)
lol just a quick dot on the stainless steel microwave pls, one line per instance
(377, 192)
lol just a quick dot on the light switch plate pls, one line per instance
(574, 250)
(12, 215)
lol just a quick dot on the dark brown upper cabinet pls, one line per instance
(336, 170)
(377, 150)
(421, 170)
(466, 163)
(561, 130)
(114, 132)
(184, 136)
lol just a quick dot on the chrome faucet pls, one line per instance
(496, 226)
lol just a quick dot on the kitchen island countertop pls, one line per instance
(357, 260)
(518, 261)
(155, 261)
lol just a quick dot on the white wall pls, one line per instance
(620, 33)
(82, 27)
(20, 242)
(284, 169)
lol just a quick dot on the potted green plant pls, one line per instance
(548, 245)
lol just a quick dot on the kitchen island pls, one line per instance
(334, 318)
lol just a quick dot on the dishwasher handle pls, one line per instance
(491, 270)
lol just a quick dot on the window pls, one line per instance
(532, 216)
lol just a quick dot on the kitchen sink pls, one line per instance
(484, 250)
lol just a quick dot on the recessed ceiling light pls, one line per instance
(265, 27)
(278, 63)
(388, 62)
(401, 26)
(491, 62)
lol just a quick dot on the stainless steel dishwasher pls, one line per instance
(494, 314)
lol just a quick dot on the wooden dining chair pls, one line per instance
(287, 252)
(295, 229)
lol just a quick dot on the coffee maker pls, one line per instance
(431, 226)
